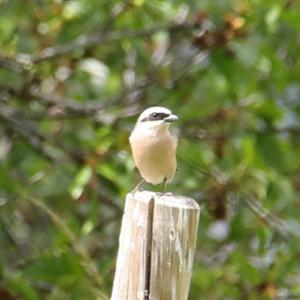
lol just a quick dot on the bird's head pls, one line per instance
(155, 118)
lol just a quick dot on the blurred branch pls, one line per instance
(13, 64)
(295, 130)
(26, 130)
(212, 127)
(6, 232)
(95, 108)
(92, 107)
(216, 259)
(49, 148)
(102, 193)
(265, 215)
(204, 135)
(86, 261)
(106, 221)
(100, 38)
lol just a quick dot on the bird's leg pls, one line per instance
(165, 184)
(138, 186)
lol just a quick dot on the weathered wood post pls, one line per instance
(156, 247)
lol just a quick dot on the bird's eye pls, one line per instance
(154, 115)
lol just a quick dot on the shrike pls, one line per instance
(153, 147)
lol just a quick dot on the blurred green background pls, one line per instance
(75, 74)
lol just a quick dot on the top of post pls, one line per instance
(166, 199)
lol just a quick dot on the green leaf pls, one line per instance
(272, 17)
(61, 269)
(22, 287)
(270, 151)
(245, 268)
(80, 181)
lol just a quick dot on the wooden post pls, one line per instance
(156, 247)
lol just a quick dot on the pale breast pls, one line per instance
(155, 157)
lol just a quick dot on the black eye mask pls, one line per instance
(155, 117)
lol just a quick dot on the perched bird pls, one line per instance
(153, 147)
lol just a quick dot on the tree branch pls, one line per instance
(100, 38)
(279, 225)
(26, 130)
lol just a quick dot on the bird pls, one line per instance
(154, 147)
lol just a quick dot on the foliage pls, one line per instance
(73, 77)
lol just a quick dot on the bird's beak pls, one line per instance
(171, 118)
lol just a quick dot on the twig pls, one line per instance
(90, 107)
(25, 129)
(93, 108)
(16, 121)
(97, 38)
(12, 64)
(101, 191)
(218, 258)
(279, 225)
